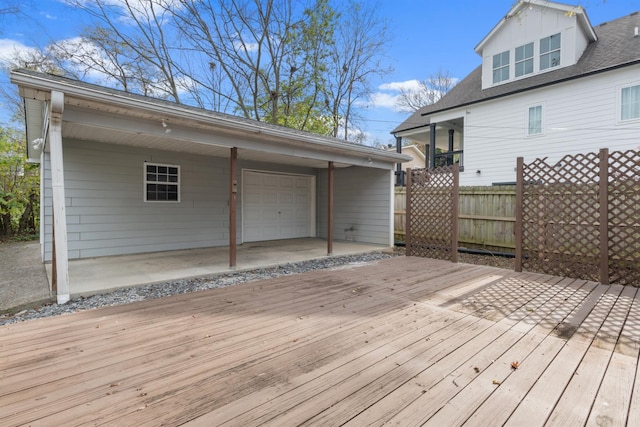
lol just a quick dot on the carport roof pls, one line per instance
(138, 120)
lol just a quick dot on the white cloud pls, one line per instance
(12, 49)
(409, 85)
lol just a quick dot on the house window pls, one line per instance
(161, 182)
(550, 52)
(535, 120)
(630, 103)
(501, 67)
(524, 60)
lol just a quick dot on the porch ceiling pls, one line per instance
(85, 132)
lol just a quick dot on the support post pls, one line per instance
(604, 215)
(399, 180)
(407, 216)
(233, 192)
(450, 156)
(454, 213)
(432, 146)
(330, 211)
(60, 265)
(519, 200)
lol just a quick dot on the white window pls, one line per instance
(535, 120)
(550, 52)
(161, 183)
(630, 103)
(501, 67)
(524, 60)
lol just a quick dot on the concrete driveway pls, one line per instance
(23, 280)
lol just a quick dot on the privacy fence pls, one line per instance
(580, 217)
(432, 213)
(486, 217)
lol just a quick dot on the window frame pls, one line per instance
(549, 52)
(528, 121)
(502, 66)
(621, 119)
(524, 60)
(168, 174)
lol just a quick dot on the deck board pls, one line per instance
(402, 341)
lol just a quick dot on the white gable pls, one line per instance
(529, 23)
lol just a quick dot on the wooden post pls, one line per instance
(61, 256)
(517, 229)
(330, 212)
(604, 215)
(407, 215)
(233, 192)
(454, 213)
(54, 270)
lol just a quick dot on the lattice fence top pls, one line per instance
(432, 206)
(580, 217)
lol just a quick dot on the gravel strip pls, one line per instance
(182, 286)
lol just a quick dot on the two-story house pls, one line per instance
(550, 84)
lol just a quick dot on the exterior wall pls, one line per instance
(362, 201)
(579, 116)
(106, 212)
(531, 25)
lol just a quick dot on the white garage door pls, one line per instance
(276, 206)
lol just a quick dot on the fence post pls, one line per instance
(604, 215)
(517, 229)
(454, 213)
(407, 216)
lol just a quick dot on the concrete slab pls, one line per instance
(97, 275)
(23, 282)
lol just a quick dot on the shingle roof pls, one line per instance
(616, 47)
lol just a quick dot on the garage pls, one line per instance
(277, 206)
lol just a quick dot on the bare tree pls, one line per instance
(428, 92)
(356, 58)
(131, 45)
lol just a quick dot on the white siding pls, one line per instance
(579, 116)
(362, 198)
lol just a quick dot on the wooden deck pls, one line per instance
(406, 341)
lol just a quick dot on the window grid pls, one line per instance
(630, 103)
(550, 52)
(524, 60)
(501, 67)
(535, 120)
(162, 183)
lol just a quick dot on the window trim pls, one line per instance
(541, 54)
(145, 181)
(619, 103)
(501, 67)
(528, 120)
(524, 60)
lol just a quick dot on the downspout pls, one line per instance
(399, 178)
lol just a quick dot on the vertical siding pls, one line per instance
(362, 203)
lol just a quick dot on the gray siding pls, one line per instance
(362, 200)
(106, 212)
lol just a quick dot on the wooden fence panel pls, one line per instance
(486, 217)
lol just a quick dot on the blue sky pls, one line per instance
(426, 35)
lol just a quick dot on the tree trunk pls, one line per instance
(27, 220)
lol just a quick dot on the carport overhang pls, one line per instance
(58, 108)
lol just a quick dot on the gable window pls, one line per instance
(630, 103)
(524, 60)
(501, 67)
(550, 52)
(535, 120)
(161, 182)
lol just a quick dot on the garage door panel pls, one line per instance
(276, 206)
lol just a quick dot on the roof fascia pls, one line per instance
(42, 82)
